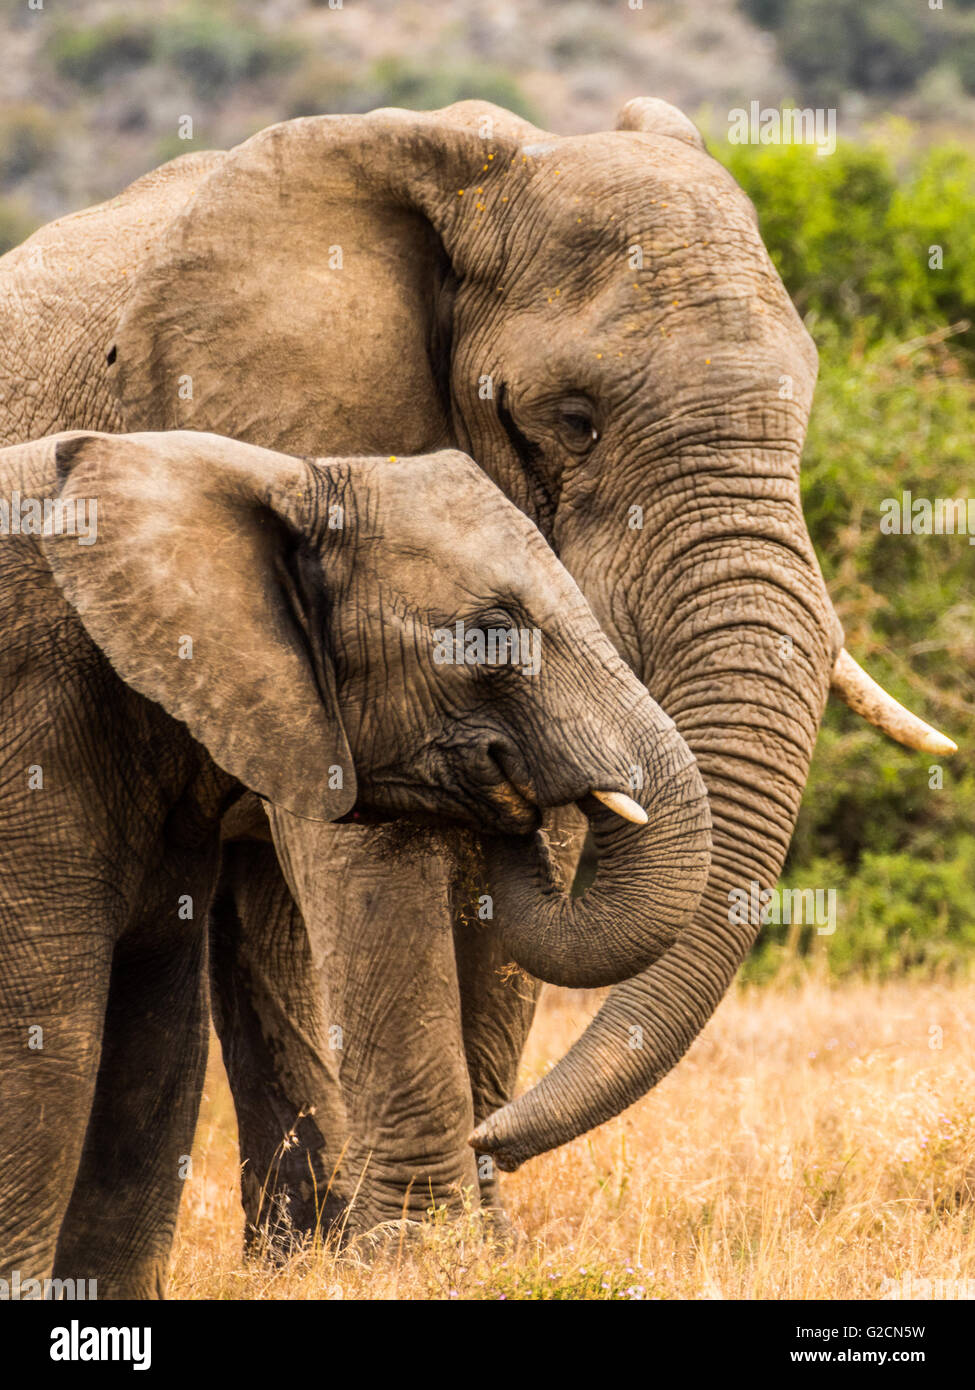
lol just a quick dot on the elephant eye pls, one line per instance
(577, 425)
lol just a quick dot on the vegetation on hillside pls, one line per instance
(881, 47)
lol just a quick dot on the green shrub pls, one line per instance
(897, 914)
(27, 139)
(215, 53)
(766, 13)
(90, 54)
(211, 49)
(874, 46)
(935, 206)
(16, 223)
(853, 242)
(874, 822)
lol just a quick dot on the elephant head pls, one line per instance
(395, 637)
(595, 320)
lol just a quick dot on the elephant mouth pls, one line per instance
(512, 812)
(500, 808)
(488, 788)
(483, 784)
(515, 813)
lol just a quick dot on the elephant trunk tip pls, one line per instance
(507, 1157)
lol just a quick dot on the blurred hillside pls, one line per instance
(91, 91)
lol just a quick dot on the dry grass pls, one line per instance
(813, 1144)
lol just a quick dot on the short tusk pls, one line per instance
(624, 806)
(865, 697)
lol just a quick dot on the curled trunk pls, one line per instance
(750, 718)
(648, 884)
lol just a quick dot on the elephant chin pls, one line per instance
(648, 884)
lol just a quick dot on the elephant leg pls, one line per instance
(498, 1003)
(122, 1215)
(378, 905)
(276, 1053)
(54, 982)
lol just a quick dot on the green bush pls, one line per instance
(211, 49)
(215, 53)
(27, 139)
(90, 54)
(891, 830)
(16, 224)
(766, 13)
(873, 46)
(896, 914)
(935, 206)
(852, 241)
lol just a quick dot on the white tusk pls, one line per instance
(865, 697)
(624, 806)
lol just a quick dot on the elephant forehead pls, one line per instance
(470, 559)
(709, 314)
(728, 341)
(631, 179)
(429, 500)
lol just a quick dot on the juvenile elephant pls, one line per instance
(596, 322)
(234, 618)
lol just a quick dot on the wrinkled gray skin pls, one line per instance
(395, 283)
(312, 653)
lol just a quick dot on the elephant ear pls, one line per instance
(189, 590)
(656, 117)
(238, 320)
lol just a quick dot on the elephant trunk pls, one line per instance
(648, 884)
(748, 706)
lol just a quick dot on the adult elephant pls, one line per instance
(596, 321)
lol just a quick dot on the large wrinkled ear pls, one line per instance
(656, 117)
(195, 586)
(312, 225)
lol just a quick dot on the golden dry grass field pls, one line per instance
(815, 1143)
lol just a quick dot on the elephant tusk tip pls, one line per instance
(868, 699)
(623, 806)
(940, 743)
